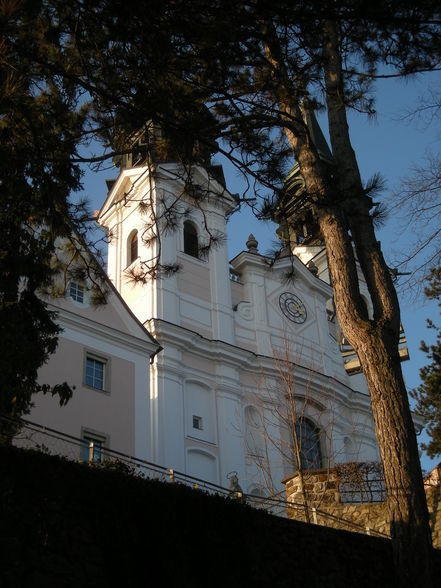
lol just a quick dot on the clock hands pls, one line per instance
(292, 307)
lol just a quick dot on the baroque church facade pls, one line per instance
(251, 369)
(217, 368)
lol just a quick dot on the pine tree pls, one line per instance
(428, 394)
(40, 128)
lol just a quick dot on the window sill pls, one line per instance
(196, 260)
(212, 443)
(99, 390)
(132, 263)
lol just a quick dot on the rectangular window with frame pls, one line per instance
(95, 372)
(197, 422)
(76, 292)
(92, 447)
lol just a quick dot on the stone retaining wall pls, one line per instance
(322, 495)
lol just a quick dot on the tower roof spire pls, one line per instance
(317, 135)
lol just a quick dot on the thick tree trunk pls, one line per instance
(377, 350)
(406, 500)
(343, 213)
(353, 200)
(376, 341)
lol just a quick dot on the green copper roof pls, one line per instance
(317, 136)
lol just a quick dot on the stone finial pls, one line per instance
(252, 244)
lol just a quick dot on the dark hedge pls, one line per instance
(65, 524)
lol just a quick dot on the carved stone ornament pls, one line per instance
(245, 310)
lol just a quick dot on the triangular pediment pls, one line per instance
(123, 189)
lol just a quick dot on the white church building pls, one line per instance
(247, 357)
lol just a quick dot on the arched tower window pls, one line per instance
(132, 247)
(191, 246)
(308, 438)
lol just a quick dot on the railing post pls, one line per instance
(314, 515)
(172, 475)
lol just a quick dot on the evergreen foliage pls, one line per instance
(41, 124)
(428, 394)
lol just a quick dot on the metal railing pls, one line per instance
(368, 491)
(361, 482)
(50, 441)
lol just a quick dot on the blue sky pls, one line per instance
(387, 145)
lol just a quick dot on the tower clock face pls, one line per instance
(292, 307)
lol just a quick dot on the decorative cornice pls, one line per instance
(218, 196)
(261, 264)
(245, 360)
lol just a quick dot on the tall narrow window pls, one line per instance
(308, 438)
(95, 370)
(191, 239)
(133, 248)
